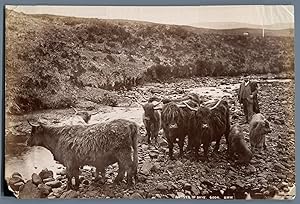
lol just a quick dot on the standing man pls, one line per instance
(254, 90)
(246, 98)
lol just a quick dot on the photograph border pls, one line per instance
(296, 4)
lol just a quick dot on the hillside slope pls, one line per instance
(53, 60)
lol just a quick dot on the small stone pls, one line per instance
(48, 179)
(266, 193)
(180, 195)
(16, 175)
(195, 190)
(51, 196)
(172, 195)
(57, 178)
(146, 168)
(187, 186)
(17, 186)
(136, 196)
(92, 194)
(286, 189)
(62, 172)
(251, 168)
(281, 176)
(291, 131)
(54, 184)
(144, 146)
(156, 167)
(57, 192)
(45, 173)
(86, 182)
(178, 163)
(161, 187)
(205, 192)
(36, 179)
(232, 188)
(239, 184)
(70, 194)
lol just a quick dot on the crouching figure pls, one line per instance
(237, 146)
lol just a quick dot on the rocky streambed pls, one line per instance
(271, 173)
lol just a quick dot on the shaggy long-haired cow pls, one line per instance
(210, 124)
(97, 145)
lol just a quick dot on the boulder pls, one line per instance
(36, 179)
(29, 191)
(135, 196)
(44, 189)
(45, 173)
(15, 183)
(70, 194)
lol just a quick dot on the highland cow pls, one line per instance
(176, 119)
(238, 146)
(259, 127)
(97, 145)
(210, 124)
(173, 126)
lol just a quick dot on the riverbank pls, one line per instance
(270, 172)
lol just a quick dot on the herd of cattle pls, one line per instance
(106, 143)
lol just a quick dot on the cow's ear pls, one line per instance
(33, 124)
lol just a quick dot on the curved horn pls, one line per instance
(95, 112)
(216, 104)
(189, 107)
(158, 103)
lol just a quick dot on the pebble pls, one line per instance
(69, 194)
(16, 175)
(136, 196)
(62, 172)
(54, 184)
(48, 180)
(146, 168)
(161, 187)
(180, 195)
(178, 163)
(187, 186)
(195, 190)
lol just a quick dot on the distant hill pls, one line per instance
(52, 60)
(235, 25)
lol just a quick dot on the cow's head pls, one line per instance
(149, 110)
(266, 127)
(36, 135)
(203, 115)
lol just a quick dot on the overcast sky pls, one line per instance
(182, 15)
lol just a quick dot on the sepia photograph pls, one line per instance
(150, 102)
